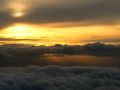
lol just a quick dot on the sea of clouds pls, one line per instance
(59, 78)
(22, 55)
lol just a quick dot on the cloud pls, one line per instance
(114, 40)
(22, 55)
(88, 49)
(12, 39)
(57, 78)
(77, 12)
(96, 11)
(5, 19)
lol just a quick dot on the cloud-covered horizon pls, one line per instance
(59, 78)
(95, 54)
(80, 12)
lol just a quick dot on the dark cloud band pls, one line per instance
(60, 11)
(22, 55)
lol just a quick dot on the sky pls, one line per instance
(47, 22)
(75, 44)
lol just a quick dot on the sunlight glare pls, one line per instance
(19, 28)
(18, 31)
(20, 14)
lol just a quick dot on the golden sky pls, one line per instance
(59, 22)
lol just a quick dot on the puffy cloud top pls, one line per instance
(57, 78)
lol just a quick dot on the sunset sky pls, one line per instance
(59, 21)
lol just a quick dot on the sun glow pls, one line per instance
(18, 31)
(20, 27)
(36, 34)
(17, 15)
(26, 31)
(17, 8)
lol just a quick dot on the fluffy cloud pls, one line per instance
(57, 78)
(80, 12)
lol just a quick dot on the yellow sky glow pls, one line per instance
(81, 31)
(50, 35)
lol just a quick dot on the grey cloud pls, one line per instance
(5, 19)
(22, 55)
(2, 2)
(81, 12)
(101, 12)
(57, 78)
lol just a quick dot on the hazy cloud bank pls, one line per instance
(87, 49)
(22, 55)
(59, 78)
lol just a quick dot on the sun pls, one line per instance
(20, 27)
(18, 31)
(17, 15)
(25, 31)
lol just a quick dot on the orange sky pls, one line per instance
(25, 33)
(65, 22)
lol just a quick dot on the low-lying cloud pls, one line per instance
(58, 78)
(87, 49)
(22, 55)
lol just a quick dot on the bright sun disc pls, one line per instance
(18, 14)
(18, 31)
(20, 28)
